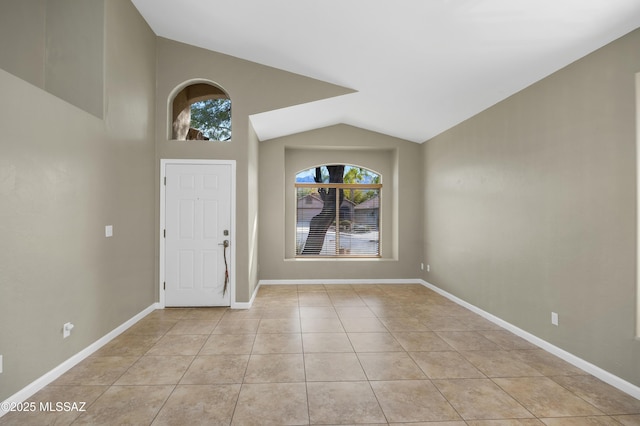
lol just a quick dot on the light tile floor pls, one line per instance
(339, 354)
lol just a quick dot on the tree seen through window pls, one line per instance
(338, 211)
(201, 111)
(212, 117)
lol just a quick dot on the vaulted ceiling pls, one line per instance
(418, 67)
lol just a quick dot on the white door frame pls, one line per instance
(232, 247)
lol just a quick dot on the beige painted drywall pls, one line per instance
(22, 39)
(399, 163)
(253, 88)
(57, 45)
(530, 208)
(64, 175)
(74, 52)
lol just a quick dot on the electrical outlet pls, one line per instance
(66, 330)
(554, 318)
(108, 231)
(428, 268)
(422, 266)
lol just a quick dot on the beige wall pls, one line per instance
(399, 163)
(23, 56)
(530, 208)
(64, 175)
(60, 48)
(253, 88)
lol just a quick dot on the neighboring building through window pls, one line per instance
(201, 111)
(338, 212)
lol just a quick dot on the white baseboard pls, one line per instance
(58, 371)
(586, 366)
(339, 281)
(246, 305)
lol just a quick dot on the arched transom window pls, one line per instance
(201, 111)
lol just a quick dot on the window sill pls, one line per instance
(339, 259)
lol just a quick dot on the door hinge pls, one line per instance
(165, 181)
(164, 233)
(164, 286)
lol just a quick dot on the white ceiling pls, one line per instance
(419, 67)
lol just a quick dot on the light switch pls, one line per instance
(108, 231)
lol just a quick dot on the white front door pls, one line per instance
(197, 224)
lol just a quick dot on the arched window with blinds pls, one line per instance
(338, 211)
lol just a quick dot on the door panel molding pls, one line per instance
(232, 238)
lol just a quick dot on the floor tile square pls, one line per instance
(199, 405)
(421, 341)
(97, 371)
(600, 394)
(187, 344)
(332, 403)
(467, 341)
(314, 299)
(546, 363)
(321, 325)
(374, 342)
(405, 324)
(449, 323)
(289, 343)
(629, 420)
(445, 365)
(128, 345)
(499, 364)
(545, 398)
(237, 326)
(153, 327)
(347, 298)
(318, 312)
(358, 325)
(333, 367)
(383, 309)
(281, 312)
(390, 366)
(413, 401)
(477, 399)
(354, 312)
(279, 325)
(193, 327)
(156, 370)
(275, 368)
(326, 342)
(228, 344)
(118, 405)
(216, 369)
(272, 404)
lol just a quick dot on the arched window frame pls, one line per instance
(180, 105)
(343, 222)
